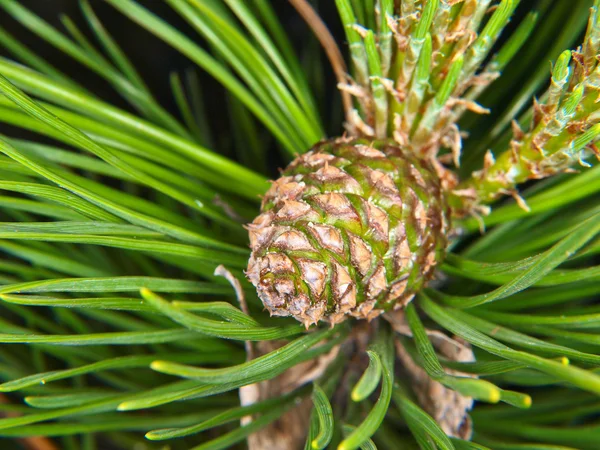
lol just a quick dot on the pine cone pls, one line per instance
(352, 227)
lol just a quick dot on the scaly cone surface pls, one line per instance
(351, 228)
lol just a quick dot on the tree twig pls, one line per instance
(328, 43)
(30, 442)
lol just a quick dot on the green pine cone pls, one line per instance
(352, 227)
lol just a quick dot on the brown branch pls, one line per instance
(30, 442)
(328, 43)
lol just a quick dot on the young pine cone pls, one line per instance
(353, 227)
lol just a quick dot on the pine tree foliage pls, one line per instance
(123, 243)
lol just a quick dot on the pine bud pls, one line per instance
(352, 227)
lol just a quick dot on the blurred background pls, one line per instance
(155, 60)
